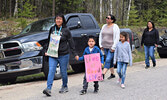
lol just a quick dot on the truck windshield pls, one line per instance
(41, 25)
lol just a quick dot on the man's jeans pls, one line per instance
(149, 52)
(63, 62)
(121, 70)
(109, 58)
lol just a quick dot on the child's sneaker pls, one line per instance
(82, 92)
(119, 81)
(47, 92)
(122, 86)
(96, 90)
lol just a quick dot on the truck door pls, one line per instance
(77, 34)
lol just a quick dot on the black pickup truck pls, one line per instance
(23, 54)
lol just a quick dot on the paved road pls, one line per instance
(141, 84)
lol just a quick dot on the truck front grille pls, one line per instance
(10, 45)
(165, 42)
(9, 49)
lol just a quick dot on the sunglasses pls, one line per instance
(108, 18)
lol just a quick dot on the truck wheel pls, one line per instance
(163, 56)
(46, 70)
(78, 67)
(6, 80)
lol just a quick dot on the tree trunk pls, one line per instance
(0, 8)
(101, 13)
(123, 12)
(128, 13)
(117, 8)
(10, 14)
(111, 7)
(16, 9)
(53, 8)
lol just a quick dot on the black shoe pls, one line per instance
(147, 67)
(103, 76)
(154, 64)
(111, 76)
(96, 90)
(47, 92)
(82, 92)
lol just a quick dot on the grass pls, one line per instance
(140, 56)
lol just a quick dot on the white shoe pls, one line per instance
(122, 86)
(119, 81)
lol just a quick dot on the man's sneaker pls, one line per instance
(82, 92)
(47, 92)
(122, 86)
(147, 67)
(111, 76)
(154, 64)
(63, 90)
(96, 90)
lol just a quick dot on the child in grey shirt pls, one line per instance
(122, 56)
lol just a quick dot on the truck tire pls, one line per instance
(10, 80)
(163, 56)
(78, 67)
(46, 69)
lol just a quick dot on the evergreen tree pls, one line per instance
(27, 11)
(133, 16)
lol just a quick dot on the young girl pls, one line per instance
(122, 56)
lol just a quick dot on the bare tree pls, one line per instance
(53, 8)
(123, 4)
(10, 9)
(111, 7)
(101, 13)
(117, 8)
(16, 9)
(128, 13)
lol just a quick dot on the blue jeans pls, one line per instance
(149, 52)
(121, 70)
(109, 58)
(63, 62)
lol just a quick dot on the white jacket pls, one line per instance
(116, 36)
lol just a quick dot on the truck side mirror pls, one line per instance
(79, 24)
(165, 31)
(75, 26)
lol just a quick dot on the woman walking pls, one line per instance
(150, 39)
(108, 38)
(60, 40)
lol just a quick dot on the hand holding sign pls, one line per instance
(93, 67)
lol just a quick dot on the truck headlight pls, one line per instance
(160, 38)
(31, 46)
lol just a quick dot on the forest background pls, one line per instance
(129, 13)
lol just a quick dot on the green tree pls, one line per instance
(162, 14)
(26, 12)
(133, 16)
(69, 6)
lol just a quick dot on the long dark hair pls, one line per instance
(126, 35)
(112, 18)
(64, 21)
(151, 23)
